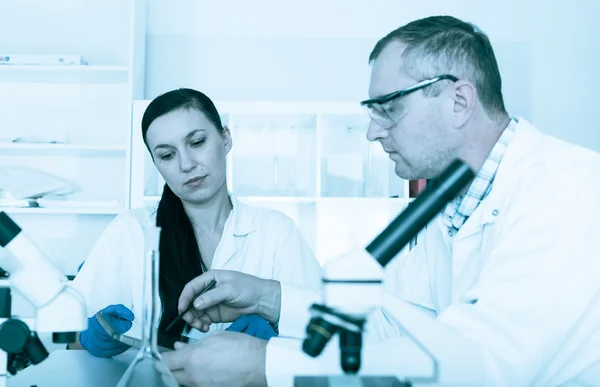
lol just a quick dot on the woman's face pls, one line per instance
(190, 153)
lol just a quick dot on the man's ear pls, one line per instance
(464, 96)
(227, 139)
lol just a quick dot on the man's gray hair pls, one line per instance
(441, 45)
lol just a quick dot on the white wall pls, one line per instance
(268, 49)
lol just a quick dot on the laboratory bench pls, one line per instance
(74, 368)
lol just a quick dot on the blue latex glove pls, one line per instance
(97, 341)
(253, 325)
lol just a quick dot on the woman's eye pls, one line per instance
(166, 156)
(197, 142)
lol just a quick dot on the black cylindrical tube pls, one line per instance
(350, 348)
(14, 335)
(5, 302)
(420, 212)
(8, 229)
(64, 337)
(35, 350)
(319, 331)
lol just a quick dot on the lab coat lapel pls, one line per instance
(237, 228)
(439, 256)
(489, 209)
(226, 250)
(481, 217)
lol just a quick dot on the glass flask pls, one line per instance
(148, 368)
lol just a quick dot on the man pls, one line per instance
(512, 264)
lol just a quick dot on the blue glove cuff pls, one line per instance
(253, 325)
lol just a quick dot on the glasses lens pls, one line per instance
(388, 114)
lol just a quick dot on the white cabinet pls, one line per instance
(310, 160)
(72, 122)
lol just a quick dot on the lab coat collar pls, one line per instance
(243, 221)
(239, 224)
(524, 142)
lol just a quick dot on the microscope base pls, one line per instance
(348, 381)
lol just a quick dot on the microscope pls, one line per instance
(59, 309)
(432, 354)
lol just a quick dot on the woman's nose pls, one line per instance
(187, 162)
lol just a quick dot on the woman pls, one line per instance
(202, 227)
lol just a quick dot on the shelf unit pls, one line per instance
(64, 73)
(52, 70)
(72, 122)
(64, 211)
(58, 149)
(310, 160)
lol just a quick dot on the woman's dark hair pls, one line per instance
(180, 259)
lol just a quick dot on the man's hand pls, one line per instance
(222, 359)
(234, 295)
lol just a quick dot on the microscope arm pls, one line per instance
(59, 307)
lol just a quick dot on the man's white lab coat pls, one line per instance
(257, 241)
(521, 278)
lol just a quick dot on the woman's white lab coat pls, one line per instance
(521, 278)
(257, 241)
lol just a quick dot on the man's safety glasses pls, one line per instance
(387, 110)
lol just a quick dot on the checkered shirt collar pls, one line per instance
(460, 209)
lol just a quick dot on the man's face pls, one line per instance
(419, 143)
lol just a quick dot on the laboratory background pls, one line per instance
(286, 76)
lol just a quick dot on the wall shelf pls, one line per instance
(64, 73)
(301, 199)
(78, 149)
(365, 201)
(255, 199)
(63, 211)
(5, 282)
(278, 199)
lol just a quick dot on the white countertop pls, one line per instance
(67, 368)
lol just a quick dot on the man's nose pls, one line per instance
(375, 132)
